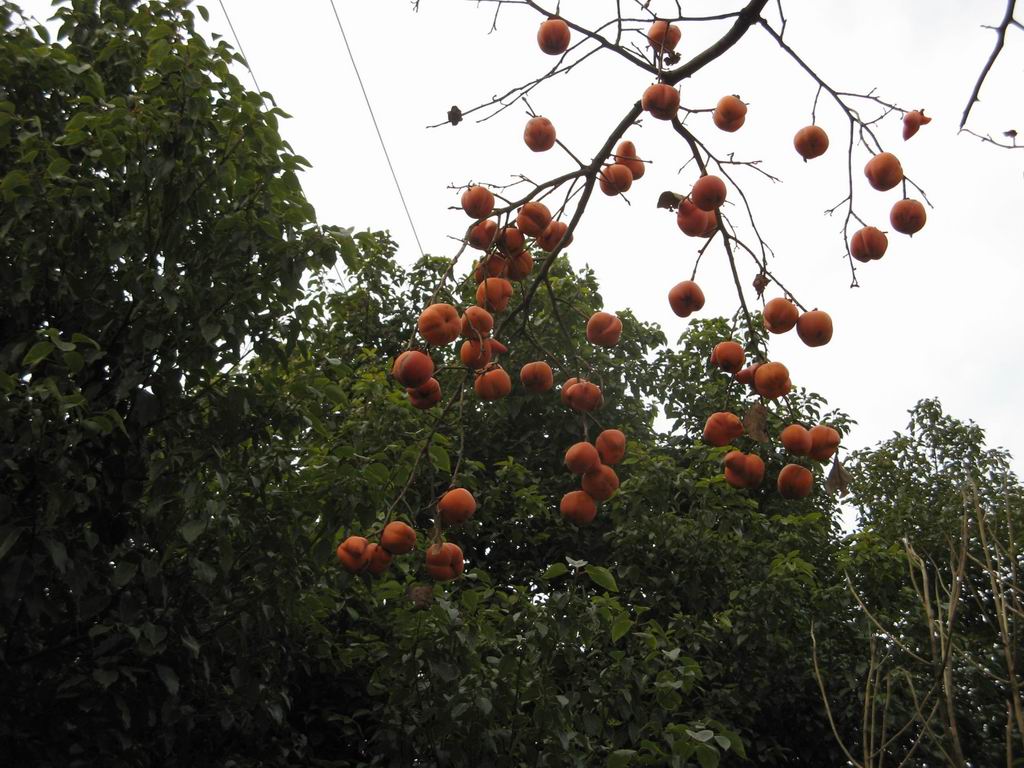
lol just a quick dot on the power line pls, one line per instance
(238, 42)
(376, 127)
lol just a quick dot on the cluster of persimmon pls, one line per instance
(593, 463)
(771, 381)
(357, 554)
(444, 560)
(883, 171)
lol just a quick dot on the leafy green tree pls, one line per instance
(936, 568)
(153, 233)
(194, 411)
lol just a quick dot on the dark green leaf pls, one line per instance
(555, 570)
(602, 577)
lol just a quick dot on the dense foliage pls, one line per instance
(195, 408)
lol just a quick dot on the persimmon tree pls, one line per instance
(195, 410)
(520, 228)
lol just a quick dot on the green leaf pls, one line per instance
(191, 643)
(439, 458)
(81, 338)
(702, 736)
(58, 167)
(8, 540)
(190, 531)
(39, 351)
(157, 53)
(602, 577)
(123, 573)
(13, 180)
(484, 704)
(169, 678)
(105, 677)
(377, 474)
(555, 570)
(63, 346)
(621, 627)
(58, 553)
(74, 361)
(209, 328)
(707, 756)
(620, 758)
(115, 417)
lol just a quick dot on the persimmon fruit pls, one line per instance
(728, 356)
(353, 555)
(780, 315)
(483, 235)
(477, 323)
(490, 265)
(494, 294)
(868, 244)
(510, 241)
(824, 442)
(691, 219)
(567, 386)
(615, 179)
(810, 142)
(477, 202)
(379, 560)
(611, 446)
(445, 562)
(708, 193)
(746, 376)
(475, 354)
(794, 481)
(600, 483)
(771, 380)
(539, 134)
(908, 216)
(553, 37)
(814, 328)
(604, 329)
(743, 470)
(553, 234)
(730, 114)
(796, 439)
(912, 122)
(582, 457)
(685, 298)
(584, 396)
(456, 506)
(532, 218)
(492, 383)
(439, 324)
(426, 395)
(661, 100)
(884, 171)
(537, 377)
(412, 368)
(520, 266)
(722, 428)
(398, 538)
(578, 507)
(625, 153)
(663, 36)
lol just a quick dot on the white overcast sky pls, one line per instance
(939, 315)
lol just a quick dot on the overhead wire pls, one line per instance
(238, 42)
(376, 127)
